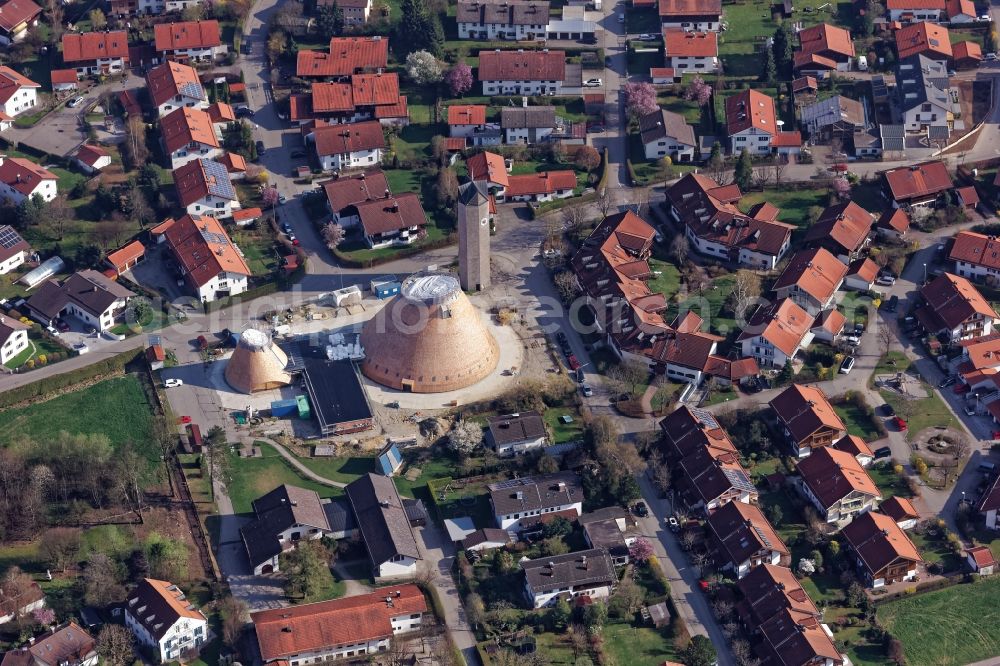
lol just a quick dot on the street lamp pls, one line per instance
(925, 273)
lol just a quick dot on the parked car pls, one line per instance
(62, 325)
(53, 331)
(859, 329)
(991, 56)
(946, 382)
(892, 304)
(596, 129)
(173, 383)
(883, 452)
(244, 112)
(885, 280)
(673, 524)
(202, 342)
(640, 509)
(649, 37)
(852, 340)
(260, 148)
(593, 83)
(282, 199)
(75, 102)
(80, 348)
(847, 365)
(287, 228)
(970, 410)
(621, 18)
(573, 363)
(888, 410)
(900, 423)
(587, 391)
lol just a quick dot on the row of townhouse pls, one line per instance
(521, 20)
(525, 125)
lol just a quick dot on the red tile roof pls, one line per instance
(187, 125)
(15, 12)
(750, 108)
(976, 249)
(804, 83)
(783, 323)
(815, 272)
(397, 110)
(684, 44)
(332, 97)
(914, 4)
(955, 8)
(864, 269)
(547, 182)
(918, 181)
(247, 214)
(123, 257)
(982, 556)
(831, 475)
(349, 138)
(787, 139)
(347, 56)
(129, 103)
(23, 175)
(895, 219)
(689, 8)
(489, 167)
(89, 154)
(953, 300)
(345, 191)
(234, 162)
(395, 213)
(187, 35)
(93, 45)
(284, 632)
(967, 51)
(467, 114)
(203, 248)
(522, 65)
(220, 112)
(855, 446)
(63, 76)
(827, 40)
(968, 195)
(11, 82)
(929, 39)
(846, 224)
(375, 89)
(899, 509)
(879, 541)
(742, 531)
(170, 79)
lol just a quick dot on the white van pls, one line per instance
(862, 63)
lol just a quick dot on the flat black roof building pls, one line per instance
(336, 394)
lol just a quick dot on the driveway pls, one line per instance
(438, 554)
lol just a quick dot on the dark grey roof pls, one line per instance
(488, 535)
(893, 137)
(834, 110)
(510, 428)
(528, 117)
(473, 193)
(382, 519)
(607, 535)
(415, 510)
(581, 568)
(604, 513)
(276, 511)
(339, 515)
(662, 123)
(88, 289)
(938, 132)
(920, 80)
(503, 12)
(533, 493)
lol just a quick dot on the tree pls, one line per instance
(193, 12)
(167, 557)
(30, 212)
(770, 69)
(465, 437)
(306, 567)
(136, 152)
(698, 91)
(699, 652)
(587, 158)
(605, 202)
(872, 11)
(137, 206)
(418, 29)
(98, 21)
(54, 9)
(58, 214)
(841, 187)
(86, 256)
(640, 98)
(595, 616)
(234, 614)
(333, 235)
(679, 248)
(560, 615)
(782, 49)
(640, 551)
(44, 617)
(116, 645)
(60, 547)
(277, 42)
(459, 79)
(743, 175)
(573, 218)
(423, 68)
(659, 471)
(554, 546)
(885, 338)
(102, 580)
(567, 286)
(447, 188)
(270, 197)
(330, 21)
(746, 289)
(110, 233)
(15, 586)
(627, 599)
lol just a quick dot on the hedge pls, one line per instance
(44, 387)
(348, 262)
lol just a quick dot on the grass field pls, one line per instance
(709, 305)
(668, 282)
(563, 432)
(116, 407)
(252, 477)
(889, 483)
(919, 414)
(638, 646)
(857, 421)
(963, 618)
(344, 470)
(794, 204)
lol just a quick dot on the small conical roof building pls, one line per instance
(428, 339)
(257, 364)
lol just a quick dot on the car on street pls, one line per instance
(260, 148)
(888, 410)
(80, 348)
(847, 365)
(587, 391)
(640, 509)
(859, 330)
(52, 331)
(995, 434)
(282, 199)
(852, 340)
(991, 56)
(244, 112)
(970, 410)
(287, 228)
(574, 364)
(184, 419)
(892, 304)
(649, 37)
(900, 423)
(75, 102)
(621, 18)
(946, 382)
(885, 280)
(593, 83)
(883, 452)
(173, 383)
(596, 129)
(673, 525)
(561, 338)
(985, 17)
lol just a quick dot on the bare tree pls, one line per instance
(699, 560)
(116, 645)
(234, 619)
(135, 142)
(60, 547)
(746, 289)
(779, 171)
(885, 338)
(573, 218)
(640, 199)
(679, 248)
(605, 202)
(659, 472)
(57, 216)
(333, 235)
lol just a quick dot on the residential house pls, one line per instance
(711, 477)
(776, 332)
(807, 419)
(901, 510)
(543, 186)
(95, 53)
(236, 166)
(515, 434)
(393, 220)
(14, 250)
(384, 526)
(350, 627)
(522, 72)
(361, 97)
(837, 485)
(344, 192)
(150, 7)
(188, 134)
(528, 124)
(282, 518)
(209, 261)
(893, 224)
(586, 573)
(163, 619)
(87, 295)
(960, 11)
(356, 12)
(861, 275)
(573, 25)
(782, 622)
(528, 496)
(843, 229)
(824, 48)
(696, 15)
(92, 159)
(967, 54)
(811, 279)
(666, 134)
(924, 38)
(836, 117)
(989, 504)
(172, 85)
(126, 258)
(16, 16)
(882, 551)
(952, 306)
(611, 529)
(908, 11)
(349, 146)
(828, 326)
(685, 353)
(924, 94)
(687, 51)
(204, 187)
(752, 125)
(65, 645)
(917, 184)
(980, 559)
(743, 539)
(492, 19)
(716, 227)
(967, 197)
(686, 430)
(664, 76)
(805, 87)
(18, 93)
(468, 121)
(976, 256)
(16, 601)
(63, 80)
(189, 41)
(347, 56)
(489, 538)
(489, 168)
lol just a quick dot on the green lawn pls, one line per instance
(253, 477)
(668, 282)
(563, 432)
(344, 469)
(115, 407)
(888, 482)
(259, 250)
(962, 619)
(794, 204)
(937, 551)
(925, 413)
(638, 646)
(857, 421)
(709, 306)
(404, 180)
(414, 141)
(554, 649)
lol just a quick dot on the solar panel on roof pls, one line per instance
(8, 237)
(193, 90)
(763, 538)
(739, 480)
(218, 180)
(510, 483)
(706, 417)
